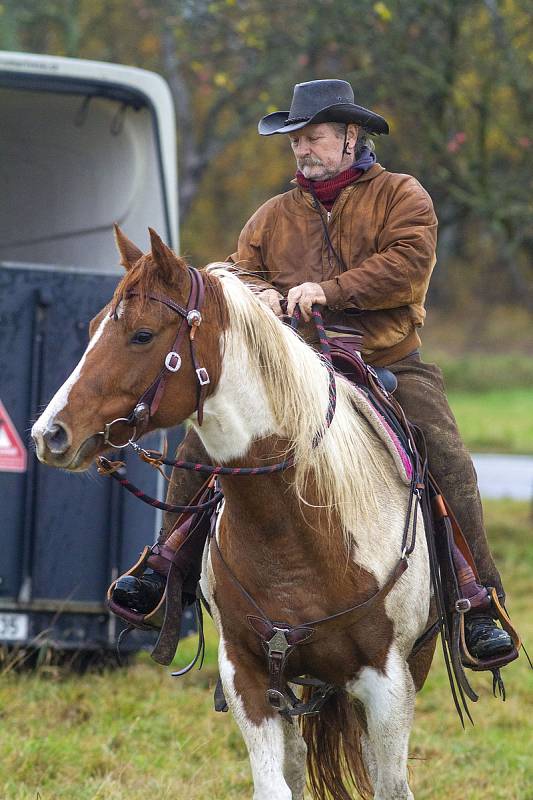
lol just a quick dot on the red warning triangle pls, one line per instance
(13, 455)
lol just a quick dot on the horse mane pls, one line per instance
(296, 382)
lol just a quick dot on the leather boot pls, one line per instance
(484, 639)
(143, 594)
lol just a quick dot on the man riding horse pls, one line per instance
(359, 241)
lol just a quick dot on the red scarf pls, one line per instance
(328, 191)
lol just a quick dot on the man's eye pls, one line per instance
(142, 337)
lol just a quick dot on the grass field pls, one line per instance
(492, 398)
(498, 421)
(136, 733)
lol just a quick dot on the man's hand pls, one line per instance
(305, 295)
(271, 298)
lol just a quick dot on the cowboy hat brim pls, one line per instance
(339, 112)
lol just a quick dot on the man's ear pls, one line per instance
(353, 132)
(129, 252)
(165, 258)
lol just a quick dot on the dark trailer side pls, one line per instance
(82, 145)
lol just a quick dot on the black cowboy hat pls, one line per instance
(321, 101)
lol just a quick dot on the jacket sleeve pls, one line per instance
(248, 256)
(398, 273)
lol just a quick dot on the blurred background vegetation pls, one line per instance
(454, 79)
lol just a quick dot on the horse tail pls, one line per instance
(334, 752)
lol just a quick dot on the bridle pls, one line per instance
(148, 403)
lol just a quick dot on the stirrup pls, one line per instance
(500, 614)
(165, 617)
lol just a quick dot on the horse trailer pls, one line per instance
(83, 144)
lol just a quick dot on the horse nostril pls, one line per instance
(57, 439)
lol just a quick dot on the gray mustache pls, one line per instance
(309, 161)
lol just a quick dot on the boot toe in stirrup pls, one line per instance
(483, 637)
(139, 594)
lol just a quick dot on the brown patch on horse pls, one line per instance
(295, 575)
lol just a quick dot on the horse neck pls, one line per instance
(238, 413)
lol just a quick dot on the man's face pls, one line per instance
(318, 150)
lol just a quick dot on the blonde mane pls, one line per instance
(350, 458)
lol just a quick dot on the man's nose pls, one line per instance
(301, 148)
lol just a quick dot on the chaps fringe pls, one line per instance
(334, 754)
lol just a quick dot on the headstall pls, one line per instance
(147, 405)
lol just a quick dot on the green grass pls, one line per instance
(482, 373)
(492, 398)
(499, 421)
(136, 733)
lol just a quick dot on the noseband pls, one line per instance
(148, 403)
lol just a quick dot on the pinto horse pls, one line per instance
(320, 537)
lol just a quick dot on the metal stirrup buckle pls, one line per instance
(203, 376)
(463, 605)
(277, 700)
(175, 358)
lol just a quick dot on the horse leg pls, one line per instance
(369, 757)
(388, 699)
(272, 745)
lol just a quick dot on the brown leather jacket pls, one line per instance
(383, 227)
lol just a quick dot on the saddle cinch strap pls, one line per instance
(179, 559)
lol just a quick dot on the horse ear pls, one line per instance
(129, 252)
(164, 257)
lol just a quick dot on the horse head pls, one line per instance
(131, 340)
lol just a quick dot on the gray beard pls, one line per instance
(315, 163)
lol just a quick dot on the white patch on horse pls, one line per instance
(238, 413)
(265, 742)
(388, 699)
(276, 748)
(60, 399)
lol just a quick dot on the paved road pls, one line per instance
(505, 476)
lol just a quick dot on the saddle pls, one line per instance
(345, 348)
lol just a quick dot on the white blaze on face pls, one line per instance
(60, 399)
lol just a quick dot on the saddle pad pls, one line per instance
(386, 434)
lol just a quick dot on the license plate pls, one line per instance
(13, 627)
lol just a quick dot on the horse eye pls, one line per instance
(142, 337)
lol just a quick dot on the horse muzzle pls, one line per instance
(54, 447)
